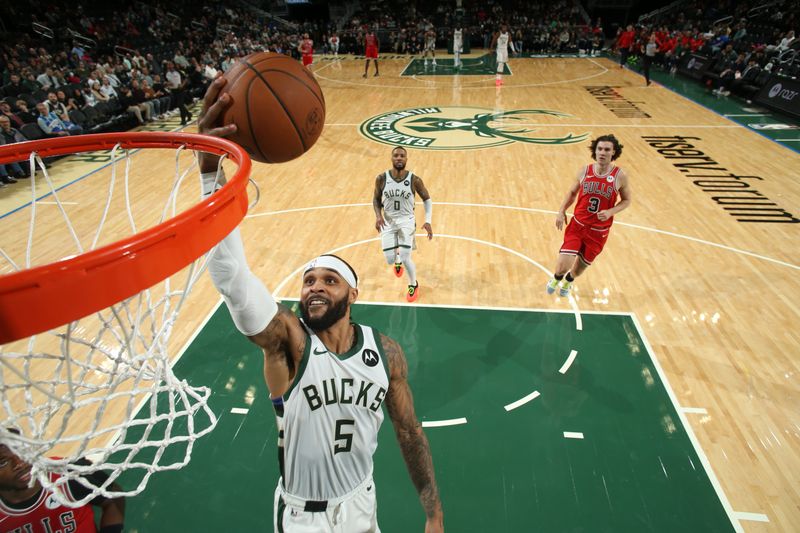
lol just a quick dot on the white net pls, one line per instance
(102, 388)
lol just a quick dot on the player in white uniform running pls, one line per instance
(393, 202)
(501, 42)
(328, 379)
(458, 46)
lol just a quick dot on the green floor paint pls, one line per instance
(475, 66)
(635, 469)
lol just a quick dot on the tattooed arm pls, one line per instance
(413, 442)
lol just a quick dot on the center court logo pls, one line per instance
(464, 128)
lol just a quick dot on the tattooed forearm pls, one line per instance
(413, 442)
(417, 455)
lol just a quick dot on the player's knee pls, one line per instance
(389, 256)
(405, 254)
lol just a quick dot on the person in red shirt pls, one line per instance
(625, 44)
(33, 509)
(306, 49)
(597, 189)
(372, 46)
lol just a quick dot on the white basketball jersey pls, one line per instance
(331, 417)
(398, 199)
(502, 42)
(457, 39)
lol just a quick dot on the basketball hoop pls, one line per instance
(84, 339)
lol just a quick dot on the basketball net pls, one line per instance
(102, 386)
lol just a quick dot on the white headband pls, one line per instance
(337, 265)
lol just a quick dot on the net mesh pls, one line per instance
(102, 388)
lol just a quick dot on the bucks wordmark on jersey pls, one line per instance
(331, 416)
(398, 199)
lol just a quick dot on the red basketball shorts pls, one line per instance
(307, 60)
(584, 241)
(372, 52)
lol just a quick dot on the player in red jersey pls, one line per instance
(33, 509)
(372, 46)
(306, 49)
(597, 189)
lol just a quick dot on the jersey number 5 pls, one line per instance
(347, 438)
(594, 204)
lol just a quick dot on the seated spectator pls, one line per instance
(107, 90)
(5, 111)
(53, 104)
(47, 80)
(14, 86)
(68, 103)
(130, 104)
(23, 112)
(52, 125)
(9, 135)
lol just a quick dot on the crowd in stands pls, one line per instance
(122, 65)
(746, 42)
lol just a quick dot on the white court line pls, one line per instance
(239, 410)
(788, 140)
(752, 517)
(689, 432)
(747, 115)
(522, 401)
(573, 435)
(56, 203)
(568, 362)
(576, 311)
(550, 212)
(443, 423)
(695, 410)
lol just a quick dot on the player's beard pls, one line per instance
(336, 310)
(399, 166)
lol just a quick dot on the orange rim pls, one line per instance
(47, 296)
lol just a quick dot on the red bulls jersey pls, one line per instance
(307, 47)
(371, 41)
(597, 193)
(44, 514)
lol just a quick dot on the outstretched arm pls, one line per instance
(253, 309)
(112, 515)
(413, 442)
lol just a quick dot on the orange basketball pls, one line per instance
(278, 107)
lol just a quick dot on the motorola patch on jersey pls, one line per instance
(609, 178)
(405, 183)
(370, 357)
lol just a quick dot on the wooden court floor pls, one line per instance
(705, 257)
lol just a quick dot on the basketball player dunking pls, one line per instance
(371, 47)
(306, 49)
(393, 202)
(597, 188)
(501, 42)
(328, 379)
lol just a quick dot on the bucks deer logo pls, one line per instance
(460, 128)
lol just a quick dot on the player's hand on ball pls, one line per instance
(561, 218)
(208, 122)
(427, 227)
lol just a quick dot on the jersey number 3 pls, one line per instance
(346, 438)
(594, 204)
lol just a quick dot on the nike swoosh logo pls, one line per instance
(319, 353)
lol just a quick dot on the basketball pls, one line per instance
(278, 107)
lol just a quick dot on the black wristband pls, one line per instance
(113, 528)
